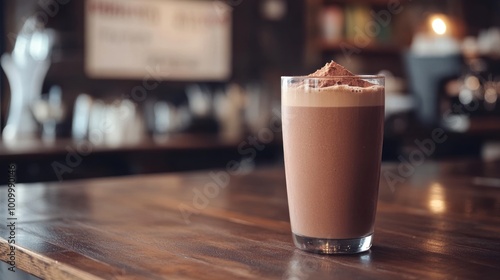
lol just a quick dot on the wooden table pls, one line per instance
(443, 221)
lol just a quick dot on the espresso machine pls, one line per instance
(427, 77)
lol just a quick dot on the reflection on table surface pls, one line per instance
(440, 221)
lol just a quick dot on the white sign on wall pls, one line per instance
(172, 39)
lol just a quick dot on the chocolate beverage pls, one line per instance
(333, 145)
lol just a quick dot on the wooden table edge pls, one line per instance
(32, 263)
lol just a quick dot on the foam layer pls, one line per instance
(333, 96)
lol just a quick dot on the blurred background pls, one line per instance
(93, 88)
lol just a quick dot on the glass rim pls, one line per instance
(335, 77)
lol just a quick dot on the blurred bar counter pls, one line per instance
(64, 159)
(68, 159)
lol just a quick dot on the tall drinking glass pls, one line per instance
(332, 138)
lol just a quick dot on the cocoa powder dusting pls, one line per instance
(333, 69)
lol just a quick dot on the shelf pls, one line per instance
(371, 2)
(484, 124)
(351, 46)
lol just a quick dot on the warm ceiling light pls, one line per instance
(438, 25)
